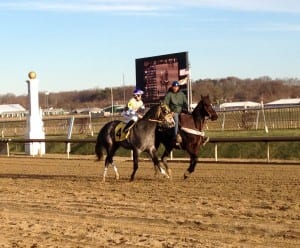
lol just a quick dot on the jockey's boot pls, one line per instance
(128, 126)
(205, 140)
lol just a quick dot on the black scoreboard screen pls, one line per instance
(154, 75)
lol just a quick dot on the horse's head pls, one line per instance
(165, 115)
(161, 114)
(205, 108)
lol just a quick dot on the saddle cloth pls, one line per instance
(120, 135)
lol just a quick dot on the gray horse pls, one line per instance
(140, 138)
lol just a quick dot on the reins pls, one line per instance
(158, 120)
(153, 120)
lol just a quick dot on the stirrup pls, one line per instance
(128, 126)
(175, 144)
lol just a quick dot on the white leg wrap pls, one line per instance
(104, 173)
(164, 172)
(116, 172)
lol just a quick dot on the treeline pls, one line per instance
(220, 90)
(233, 89)
(70, 100)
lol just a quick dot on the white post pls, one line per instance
(216, 152)
(268, 152)
(257, 119)
(90, 124)
(35, 125)
(70, 135)
(263, 112)
(223, 121)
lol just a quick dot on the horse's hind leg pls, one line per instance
(106, 164)
(117, 175)
(108, 161)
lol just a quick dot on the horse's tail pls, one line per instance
(105, 140)
(99, 150)
(99, 147)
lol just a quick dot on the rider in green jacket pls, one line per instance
(177, 101)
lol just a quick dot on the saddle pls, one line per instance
(122, 131)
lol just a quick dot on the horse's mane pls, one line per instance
(152, 112)
(198, 111)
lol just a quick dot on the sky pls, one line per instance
(78, 45)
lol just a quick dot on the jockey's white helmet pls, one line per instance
(138, 92)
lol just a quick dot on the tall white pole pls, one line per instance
(263, 112)
(47, 100)
(35, 125)
(112, 100)
(189, 88)
(124, 90)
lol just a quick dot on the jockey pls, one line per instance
(134, 110)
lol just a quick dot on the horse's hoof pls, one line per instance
(186, 175)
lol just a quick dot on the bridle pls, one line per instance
(164, 116)
(208, 108)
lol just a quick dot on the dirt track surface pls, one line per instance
(48, 202)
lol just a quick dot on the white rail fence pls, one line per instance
(215, 141)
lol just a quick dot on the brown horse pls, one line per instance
(191, 131)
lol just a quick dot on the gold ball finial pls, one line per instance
(32, 75)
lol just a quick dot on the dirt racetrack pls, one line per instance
(59, 202)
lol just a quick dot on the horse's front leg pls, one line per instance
(135, 164)
(164, 160)
(109, 160)
(193, 162)
(155, 160)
